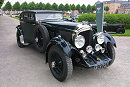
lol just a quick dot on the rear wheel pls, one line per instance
(41, 38)
(120, 31)
(111, 53)
(60, 64)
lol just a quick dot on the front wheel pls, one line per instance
(111, 53)
(60, 64)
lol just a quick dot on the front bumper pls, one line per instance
(97, 60)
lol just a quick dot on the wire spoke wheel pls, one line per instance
(39, 38)
(56, 63)
(60, 64)
(42, 38)
(111, 53)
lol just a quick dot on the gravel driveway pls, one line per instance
(25, 67)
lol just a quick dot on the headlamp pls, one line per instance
(79, 41)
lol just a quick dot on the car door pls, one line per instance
(112, 27)
(28, 26)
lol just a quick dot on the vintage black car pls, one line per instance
(66, 44)
(111, 28)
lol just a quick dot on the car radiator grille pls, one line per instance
(88, 38)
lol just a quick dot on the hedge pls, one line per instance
(109, 18)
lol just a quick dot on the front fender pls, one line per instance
(19, 28)
(62, 44)
(109, 39)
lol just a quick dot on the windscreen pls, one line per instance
(49, 16)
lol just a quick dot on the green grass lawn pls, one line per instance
(67, 17)
(127, 33)
(16, 18)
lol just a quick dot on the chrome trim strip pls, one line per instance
(82, 28)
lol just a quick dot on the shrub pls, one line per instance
(109, 18)
(87, 17)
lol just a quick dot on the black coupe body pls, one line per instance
(110, 28)
(65, 43)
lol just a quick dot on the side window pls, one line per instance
(28, 17)
(25, 16)
(21, 16)
(31, 17)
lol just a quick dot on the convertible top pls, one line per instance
(42, 11)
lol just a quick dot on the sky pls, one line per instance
(86, 2)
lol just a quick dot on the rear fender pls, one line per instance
(19, 28)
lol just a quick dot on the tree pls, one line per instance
(116, 11)
(16, 6)
(40, 6)
(83, 8)
(37, 6)
(89, 8)
(61, 7)
(48, 6)
(24, 6)
(1, 2)
(7, 6)
(54, 6)
(93, 8)
(31, 6)
(67, 7)
(43, 6)
(106, 8)
(78, 8)
(73, 7)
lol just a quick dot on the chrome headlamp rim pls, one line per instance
(100, 37)
(89, 49)
(79, 41)
(98, 47)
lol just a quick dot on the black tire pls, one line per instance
(60, 64)
(41, 33)
(120, 31)
(19, 43)
(111, 53)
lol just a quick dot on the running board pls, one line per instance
(26, 44)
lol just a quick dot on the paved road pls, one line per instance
(25, 67)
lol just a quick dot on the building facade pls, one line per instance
(112, 6)
(124, 9)
(118, 6)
